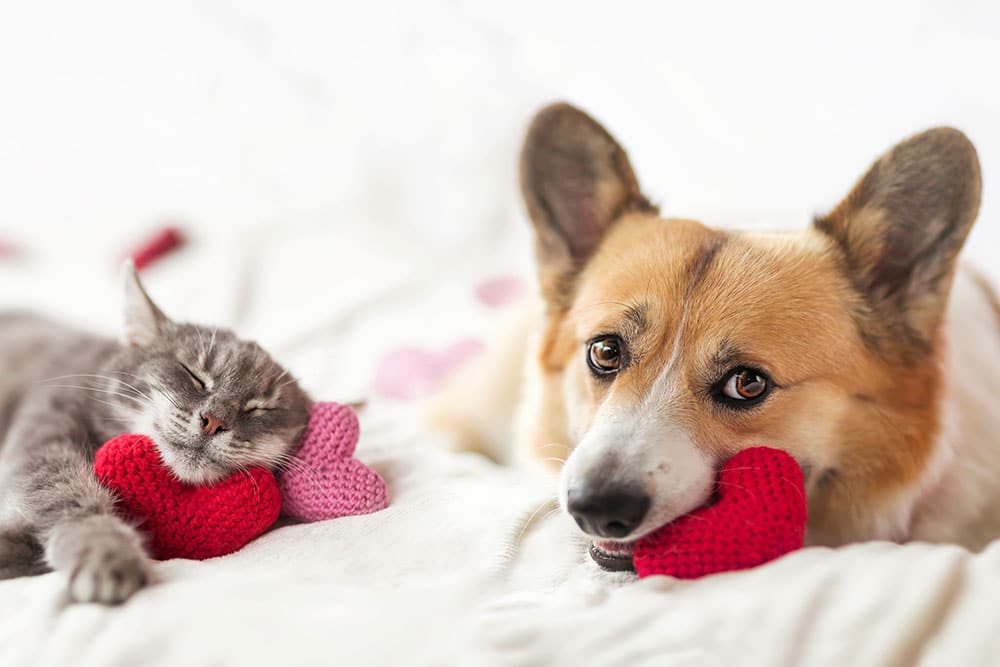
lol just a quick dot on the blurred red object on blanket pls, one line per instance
(165, 241)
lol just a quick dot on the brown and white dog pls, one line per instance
(665, 346)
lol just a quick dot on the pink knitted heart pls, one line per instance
(500, 291)
(408, 373)
(8, 250)
(326, 482)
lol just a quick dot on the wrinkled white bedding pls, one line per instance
(468, 565)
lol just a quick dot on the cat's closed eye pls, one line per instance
(198, 383)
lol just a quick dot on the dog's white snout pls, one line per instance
(628, 477)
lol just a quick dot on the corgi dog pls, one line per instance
(663, 346)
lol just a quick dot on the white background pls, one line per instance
(407, 115)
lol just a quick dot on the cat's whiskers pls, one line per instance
(105, 378)
(110, 418)
(108, 378)
(167, 395)
(137, 393)
(246, 473)
(136, 390)
(98, 376)
(204, 348)
(290, 463)
(277, 460)
(211, 345)
(115, 406)
(293, 380)
(99, 390)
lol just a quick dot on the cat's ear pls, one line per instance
(143, 320)
(576, 181)
(902, 226)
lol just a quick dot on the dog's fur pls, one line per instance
(883, 359)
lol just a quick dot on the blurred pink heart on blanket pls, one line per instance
(326, 481)
(8, 250)
(500, 291)
(408, 372)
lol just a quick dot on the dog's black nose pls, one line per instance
(608, 512)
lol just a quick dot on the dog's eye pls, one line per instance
(745, 384)
(195, 380)
(604, 355)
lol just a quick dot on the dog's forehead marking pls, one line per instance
(662, 387)
(642, 285)
(704, 259)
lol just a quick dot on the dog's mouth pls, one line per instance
(612, 556)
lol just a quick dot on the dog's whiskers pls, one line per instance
(528, 522)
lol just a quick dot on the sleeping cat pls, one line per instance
(213, 403)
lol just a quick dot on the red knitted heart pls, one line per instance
(760, 515)
(182, 520)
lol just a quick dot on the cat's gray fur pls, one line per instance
(63, 393)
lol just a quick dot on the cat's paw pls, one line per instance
(20, 553)
(105, 561)
(108, 573)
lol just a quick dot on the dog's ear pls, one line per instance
(902, 226)
(576, 181)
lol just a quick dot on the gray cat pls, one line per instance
(214, 404)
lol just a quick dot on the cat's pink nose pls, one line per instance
(211, 425)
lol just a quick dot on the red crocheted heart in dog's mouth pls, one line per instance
(758, 514)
